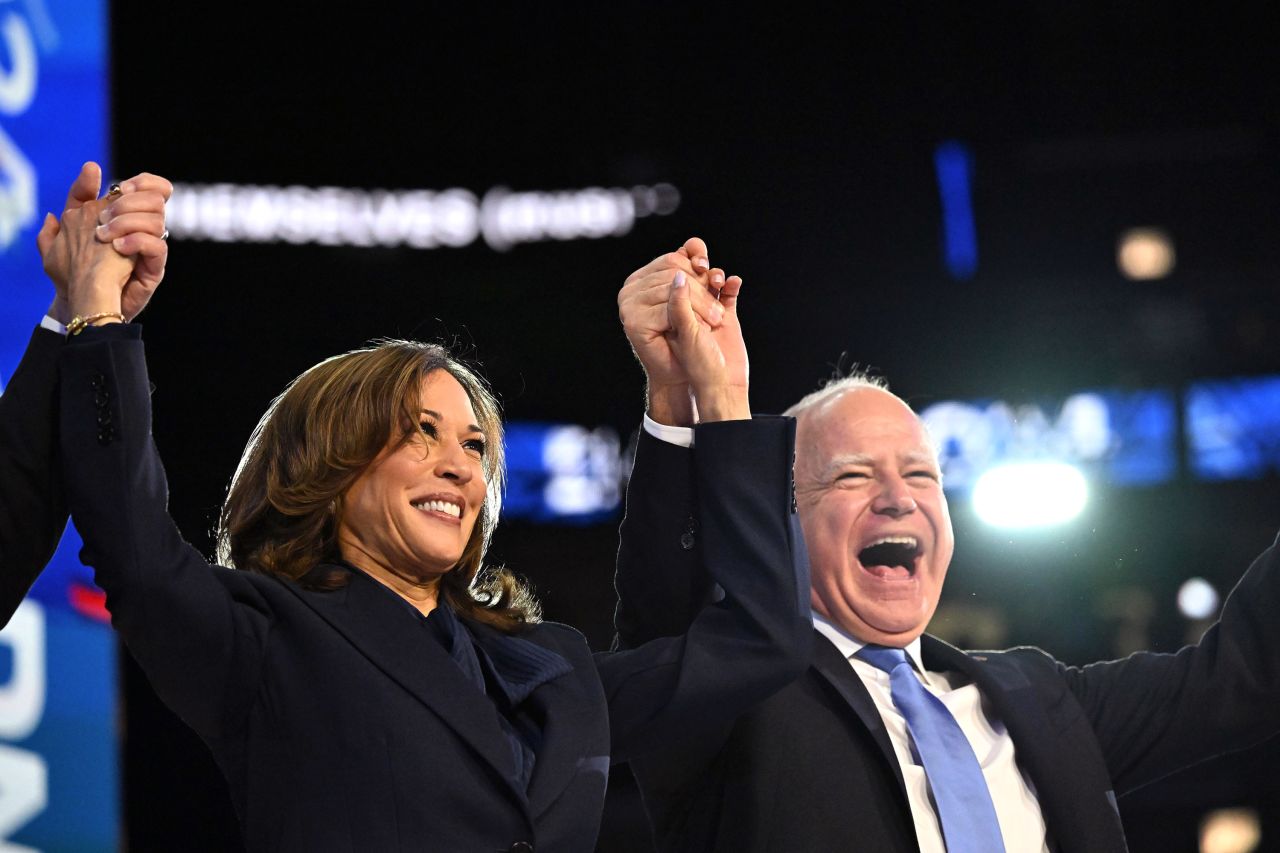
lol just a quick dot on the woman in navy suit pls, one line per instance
(364, 683)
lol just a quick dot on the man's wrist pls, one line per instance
(723, 404)
(670, 405)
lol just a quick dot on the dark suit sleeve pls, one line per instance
(33, 511)
(661, 580)
(750, 642)
(197, 630)
(1157, 713)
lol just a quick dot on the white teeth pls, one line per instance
(439, 506)
(909, 541)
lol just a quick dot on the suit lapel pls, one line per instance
(838, 672)
(371, 619)
(1013, 702)
(567, 715)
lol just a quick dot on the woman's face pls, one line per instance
(412, 510)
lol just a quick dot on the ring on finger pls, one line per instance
(114, 192)
(165, 235)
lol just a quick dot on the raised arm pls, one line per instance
(662, 581)
(33, 509)
(196, 630)
(754, 638)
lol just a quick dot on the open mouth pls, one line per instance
(449, 508)
(891, 556)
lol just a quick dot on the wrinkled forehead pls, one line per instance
(864, 423)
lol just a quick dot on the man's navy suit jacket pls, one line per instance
(339, 725)
(811, 767)
(33, 511)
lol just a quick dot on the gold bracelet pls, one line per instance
(77, 324)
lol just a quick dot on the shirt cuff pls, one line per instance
(680, 436)
(52, 325)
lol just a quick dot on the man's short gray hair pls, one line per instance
(836, 386)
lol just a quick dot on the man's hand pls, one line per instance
(132, 222)
(642, 307)
(715, 360)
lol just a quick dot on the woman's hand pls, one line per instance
(132, 222)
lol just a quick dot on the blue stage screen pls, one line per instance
(1233, 428)
(562, 473)
(1126, 438)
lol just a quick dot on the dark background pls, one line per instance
(801, 142)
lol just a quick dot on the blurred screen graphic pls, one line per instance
(1233, 428)
(1127, 438)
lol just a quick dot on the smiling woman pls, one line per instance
(362, 680)
(342, 463)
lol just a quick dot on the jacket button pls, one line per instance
(686, 541)
(521, 847)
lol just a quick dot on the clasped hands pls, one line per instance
(106, 255)
(680, 315)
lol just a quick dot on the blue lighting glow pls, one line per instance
(1125, 438)
(562, 473)
(1233, 428)
(954, 166)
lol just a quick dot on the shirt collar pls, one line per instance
(849, 646)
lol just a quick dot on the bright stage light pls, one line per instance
(1145, 253)
(1230, 831)
(1197, 599)
(1030, 494)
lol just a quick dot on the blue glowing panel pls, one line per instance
(58, 775)
(1144, 424)
(953, 164)
(1233, 428)
(562, 473)
(1125, 438)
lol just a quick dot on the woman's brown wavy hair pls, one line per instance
(282, 509)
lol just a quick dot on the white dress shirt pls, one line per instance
(1014, 797)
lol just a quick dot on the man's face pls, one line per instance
(875, 519)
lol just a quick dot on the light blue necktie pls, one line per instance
(969, 823)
